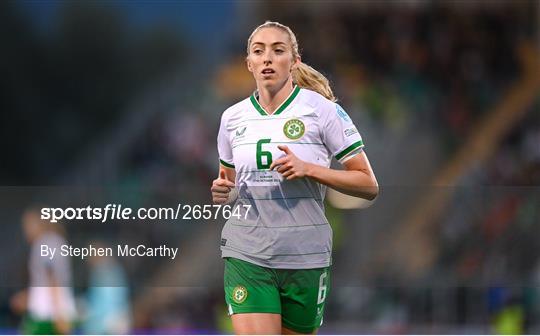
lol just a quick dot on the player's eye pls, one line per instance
(257, 51)
(279, 51)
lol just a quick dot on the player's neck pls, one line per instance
(271, 100)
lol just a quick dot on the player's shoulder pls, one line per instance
(318, 102)
(52, 239)
(236, 109)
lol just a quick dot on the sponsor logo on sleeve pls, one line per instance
(350, 131)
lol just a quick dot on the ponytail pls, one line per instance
(307, 77)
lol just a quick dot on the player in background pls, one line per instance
(275, 150)
(48, 303)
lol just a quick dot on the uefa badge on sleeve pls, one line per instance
(294, 129)
(239, 294)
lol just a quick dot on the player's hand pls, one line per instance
(290, 166)
(62, 326)
(19, 301)
(221, 187)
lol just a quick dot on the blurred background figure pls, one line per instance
(107, 307)
(48, 304)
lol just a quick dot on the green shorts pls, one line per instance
(33, 326)
(298, 295)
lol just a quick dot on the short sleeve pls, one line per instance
(59, 268)
(340, 135)
(224, 144)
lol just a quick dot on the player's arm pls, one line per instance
(62, 325)
(19, 301)
(221, 187)
(357, 179)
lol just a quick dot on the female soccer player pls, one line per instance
(275, 149)
(49, 303)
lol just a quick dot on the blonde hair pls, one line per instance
(303, 75)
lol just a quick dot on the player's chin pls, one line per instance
(270, 81)
(267, 83)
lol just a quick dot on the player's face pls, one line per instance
(31, 225)
(270, 57)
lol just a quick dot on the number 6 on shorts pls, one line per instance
(322, 289)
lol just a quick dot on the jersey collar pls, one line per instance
(281, 107)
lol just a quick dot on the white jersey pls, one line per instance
(41, 304)
(286, 226)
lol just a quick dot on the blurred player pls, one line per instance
(276, 147)
(108, 308)
(48, 303)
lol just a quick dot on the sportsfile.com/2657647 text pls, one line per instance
(119, 212)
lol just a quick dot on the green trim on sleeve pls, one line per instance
(228, 165)
(349, 149)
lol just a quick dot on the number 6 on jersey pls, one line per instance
(265, 154)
